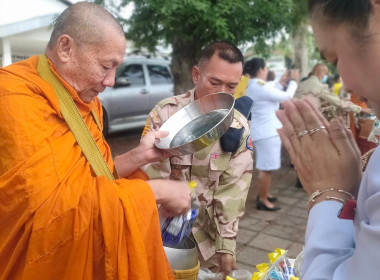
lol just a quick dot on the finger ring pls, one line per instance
(302, 133)
(316, 129)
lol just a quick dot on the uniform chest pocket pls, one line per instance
(180, 168)
(218, 164)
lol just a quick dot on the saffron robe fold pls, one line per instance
(57, 219)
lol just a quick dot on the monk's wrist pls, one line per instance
(157, 190)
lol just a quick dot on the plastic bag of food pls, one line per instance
(206, 274)
(240, 274)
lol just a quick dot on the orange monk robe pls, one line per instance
(363, 144)
(57, 219)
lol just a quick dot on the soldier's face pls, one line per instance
(216, 75)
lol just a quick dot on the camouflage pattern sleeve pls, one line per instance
(159, 114)
(336, 101)
(230, 197)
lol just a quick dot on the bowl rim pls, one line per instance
(198, 101)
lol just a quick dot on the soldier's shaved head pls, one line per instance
(225, 50)
(84, 22)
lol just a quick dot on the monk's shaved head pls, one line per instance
(84, 22)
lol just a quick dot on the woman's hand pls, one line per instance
(324, 157)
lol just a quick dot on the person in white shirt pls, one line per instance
(326, 156)
(264, 124)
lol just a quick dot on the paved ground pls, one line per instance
(260, 232)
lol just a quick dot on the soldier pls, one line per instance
(319, 94)
(223, 170)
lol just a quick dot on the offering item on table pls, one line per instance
(279, 268)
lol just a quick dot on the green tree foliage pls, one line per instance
(188, 25)
(299, 14)
(204, 21)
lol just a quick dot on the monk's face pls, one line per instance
(93, 67)
(216, 75)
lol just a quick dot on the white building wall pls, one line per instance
(25, 27)
(276, 64)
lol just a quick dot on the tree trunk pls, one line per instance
(299, 37)
(185, 55)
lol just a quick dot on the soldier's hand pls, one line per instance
(174, 196)
(226, 263)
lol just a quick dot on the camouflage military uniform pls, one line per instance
(223, 180)
(327, 103)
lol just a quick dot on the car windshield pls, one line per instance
(120, 70)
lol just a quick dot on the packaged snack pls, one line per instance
(175, 230)
(279, 268)
(298, 263)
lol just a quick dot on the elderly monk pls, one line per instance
(58, 219)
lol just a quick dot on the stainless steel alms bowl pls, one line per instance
(184, 256)
(198, 125)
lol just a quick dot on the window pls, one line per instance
(159, 74)
(135, 74)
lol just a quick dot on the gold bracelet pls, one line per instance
(335, 198)
(318, 193)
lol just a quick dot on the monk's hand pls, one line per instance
(226, 263)
(148, 149)
(324, 154)
(174, 196)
